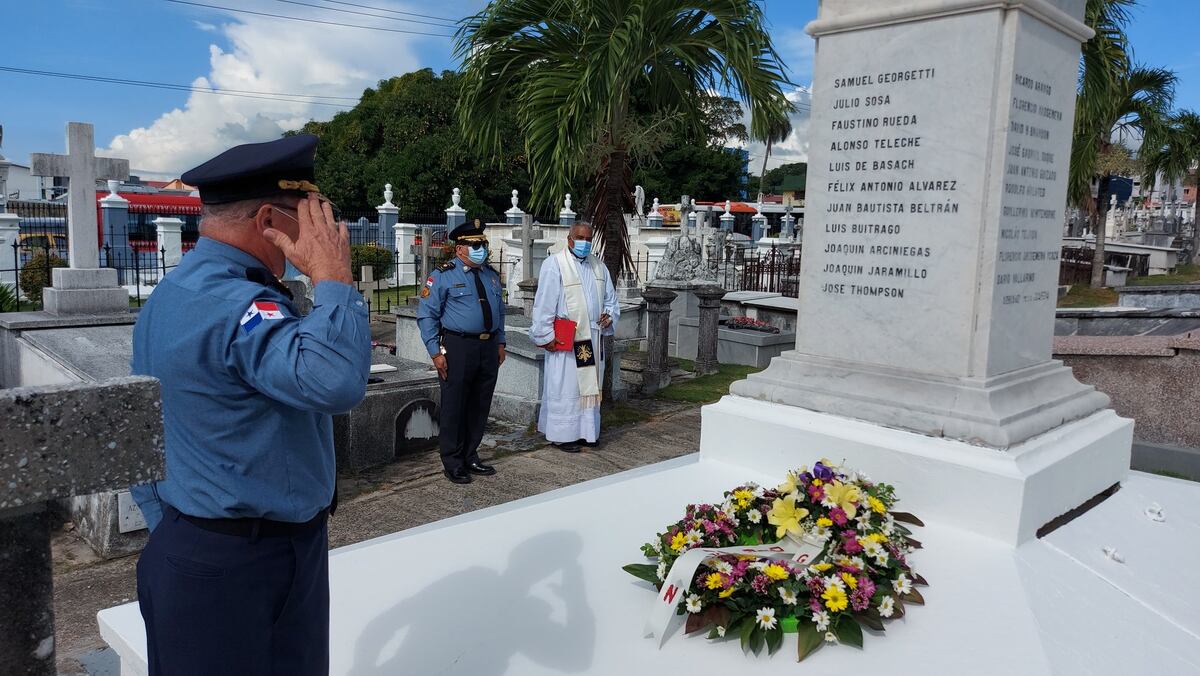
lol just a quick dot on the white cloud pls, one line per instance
(795, 147)
(204, 26)
(265, 55)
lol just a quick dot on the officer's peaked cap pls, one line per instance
(256, 170)
(468, 232)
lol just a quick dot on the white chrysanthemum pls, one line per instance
(720, 631)
(727, 507)
(662, 570)
(821, 533)
(754, 516)
(871, 548)
(694, 537)
(788, 596)
(829, 637)
(766, 618)
(821, 619)
(882, 559)
(902, 585)
(722, 566)
(857, 562)
(889, 524)
(693, 604)
(758, 565)
(887, 606)
(836, 581)
(759, 491)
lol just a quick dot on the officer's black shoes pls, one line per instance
(568, 447)
(459, 477)
(480, 468)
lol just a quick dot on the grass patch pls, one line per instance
(707, 388)
(621, 413)
(1172, 475)
(1082, 295)
(382, 298)
(1184, 274)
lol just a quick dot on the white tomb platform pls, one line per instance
(536, 587)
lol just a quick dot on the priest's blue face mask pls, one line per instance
(581, 248)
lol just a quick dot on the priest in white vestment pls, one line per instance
(574, 285)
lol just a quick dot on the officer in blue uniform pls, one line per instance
(234, 578)
(461, 316)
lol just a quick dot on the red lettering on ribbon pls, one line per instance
(669, 595)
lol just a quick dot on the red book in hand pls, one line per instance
(564, 335)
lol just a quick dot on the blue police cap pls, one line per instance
(256, 170)
(468, 232)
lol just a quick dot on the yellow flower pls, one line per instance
(850, 581)
(824, 522)
(743, 498)
(835, 599)
(785, 516)
(822, 567)
(817, 482)
(679, 541)
(775, 572)
(876, 504)
(789, 486)
(845, 496)
(714, 581)
(877, 537)
(726, 594)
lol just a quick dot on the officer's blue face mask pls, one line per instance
(477, 255)
(581, 248)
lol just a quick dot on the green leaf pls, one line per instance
(915, 544)
(757, 639)
(747, 631)
(847, 631)
(871, 618)
(918, 580)
(643, 571)
(914, 596)
(774, 639)
(808, 640)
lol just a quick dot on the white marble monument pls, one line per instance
(84, 287)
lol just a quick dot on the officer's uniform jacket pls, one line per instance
(449, 300)
(248, 387)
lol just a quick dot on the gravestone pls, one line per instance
(83, 288)
(57, 442)
(934, 263)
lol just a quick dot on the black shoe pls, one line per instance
(459, 477)
(589, 444)
(569, 447)
(480, 468)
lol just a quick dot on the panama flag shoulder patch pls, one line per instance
(260, 311)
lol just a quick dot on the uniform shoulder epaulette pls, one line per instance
(448, 265)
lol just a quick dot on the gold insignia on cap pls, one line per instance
(298, 185)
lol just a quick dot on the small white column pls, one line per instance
(655, 219)
(514, 215)
(406, 236)
(10, 230)
(655, 248)
(170, 240)
(727, 218)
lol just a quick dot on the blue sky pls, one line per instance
(164, 132)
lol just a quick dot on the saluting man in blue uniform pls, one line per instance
(461, 316)
(235, 578)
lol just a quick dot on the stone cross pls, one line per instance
(82, 168)
(366, 276)
(527, 237)
(57, 442)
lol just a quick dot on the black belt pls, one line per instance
(249, 527)
(475, 336)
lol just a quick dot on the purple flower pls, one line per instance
(822, 472)
(814, 604)
(866, 586)
(815, 586)
(859, 600)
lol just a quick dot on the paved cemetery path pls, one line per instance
(405, 494)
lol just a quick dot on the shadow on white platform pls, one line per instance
(536, 587)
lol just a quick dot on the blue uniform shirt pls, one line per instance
(453, 303)
(248, 388)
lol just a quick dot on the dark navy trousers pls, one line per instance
(233, 605)
(466, 398)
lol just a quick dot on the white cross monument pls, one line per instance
(83, 288)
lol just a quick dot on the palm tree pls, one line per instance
(775, 134)
(1174, 152)
(1114, 97)
(576, 69)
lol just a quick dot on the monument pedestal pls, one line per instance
(1003, 494)
(79, 291)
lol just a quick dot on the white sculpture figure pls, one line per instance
(728, 205)
(639, 200)
(654, 208)
(455, 197)
(387, 195)
(567, 203)
(514, 199)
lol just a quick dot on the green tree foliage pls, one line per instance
(403, 132)
(772, 180)
(369, 254)
(35, 274)
(698, 164)
(580, 73)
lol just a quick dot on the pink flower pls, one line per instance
(838, 515)
(850, 543)
(760, 583)
(814, 604)
(815, 586)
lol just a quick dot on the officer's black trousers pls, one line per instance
(234, 605)
(466, 398)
